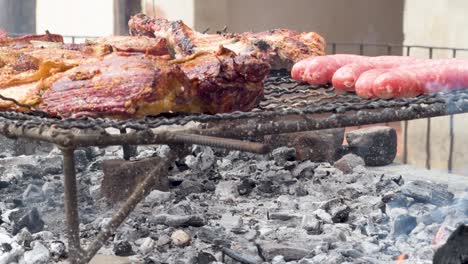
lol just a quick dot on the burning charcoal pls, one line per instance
(204, 258)
(210, 235)
(427, 192)
(323, 215)
(147, 245)
(81, 159)
(158, 197)
(369, 248)
(31, 171)
(404, 224)
(436, 216)
(281, 216)
(266, 186)
(376, 145)
(202, 158)
(312, 225)
(163, 240)
(338, 210)
(5, 247)
(5, 239)
(246, 186)
(4, 184)
(22, 146)
(278, 260)
(455, 250)
(121, 177)
(284, 154)
(57, 249)
(123, 249)
(300, 191)
(178, 220)
(230, 221)
(24, 238)
(395, 200)
(52, 164)
(39, 254)
(323, 145)
(348, 162)
(28, 218)
(189, 186)
(180, 238)
(305, 170)
(33, 194)
(352, 253)
(289, 251)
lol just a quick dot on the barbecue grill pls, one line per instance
(287, 107)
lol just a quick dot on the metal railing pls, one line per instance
(406, 50)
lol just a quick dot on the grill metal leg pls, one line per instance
(71, 205)
(128, 150)
(138, 194)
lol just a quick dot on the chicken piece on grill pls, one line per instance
(281, 47)
(137, 85)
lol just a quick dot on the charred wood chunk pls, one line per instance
(27, 218)
(289, 251)
(324, 145)
(121, 177)
(348, 162)
(428, 192)
(455, 250)
(376, 145)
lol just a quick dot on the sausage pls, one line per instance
(297, 71)
(346, 77)
(365, 82)
(320, 70)
(437, 76)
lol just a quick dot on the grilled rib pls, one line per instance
(280, 47)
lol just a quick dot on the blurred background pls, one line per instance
(439, 23)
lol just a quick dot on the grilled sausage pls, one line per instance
(365, 82)
(320, 70)
(346, 77)
(437, 76)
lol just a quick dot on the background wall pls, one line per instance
(84, 17)
(438, 23)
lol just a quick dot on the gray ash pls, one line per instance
(231, 206)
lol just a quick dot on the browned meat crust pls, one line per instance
(137, 85)
(281, 47)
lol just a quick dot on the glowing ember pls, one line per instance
(401, 258)
(437, 241)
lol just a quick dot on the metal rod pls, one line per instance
(334, 121)
(361, 49)
(238, 257)
(405, 126)
(405, 142)
(333, 48)
(452, 141)
(138, 194)
(71, 205)
(428, 144)
(428, 129)
(147, 137)
(128, 150)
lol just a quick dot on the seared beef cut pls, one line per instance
(281, 47)
(124, 86)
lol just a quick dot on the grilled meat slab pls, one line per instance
(125, 86)
(281, 47)
(141, 44)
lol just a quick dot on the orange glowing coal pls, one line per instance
(401, 258)
(439, 237)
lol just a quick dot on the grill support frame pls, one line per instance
(222, 137)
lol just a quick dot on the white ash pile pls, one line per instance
(231, 207)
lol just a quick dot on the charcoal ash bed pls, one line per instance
(287, 107)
